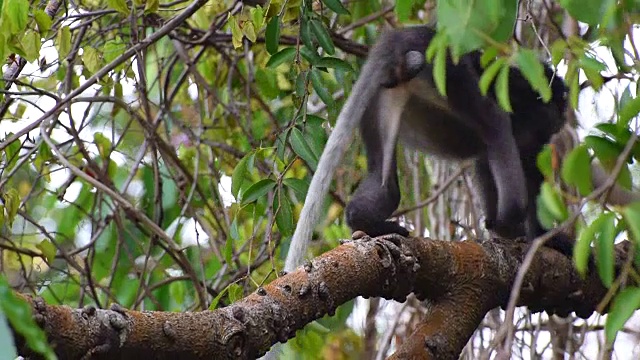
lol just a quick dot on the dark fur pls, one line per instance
(504, 146)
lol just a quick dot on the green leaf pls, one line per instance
(151, 6)
(272, 35)
(6, 340)
(234, 232)
(103, 144)
(440, 70)
(587, 11)
(625, 98)
(605, 251)
(119, 6)
(227, 251)
(48, 250)
(257, 190)
(236, 32)
(216, 300)
(284, 214)
(42, 20)
(574, 92)
(305, 34)
(605, 150)
(502, 89)
(552, 201)
(631, 215)
(619, 132)
(320, 88)
(576, 170)
(241, 173)
(19, 314)
(310, 55)
(12, 153)
(314, 133)
(582, 248)
(403, 10)
(281, 57)
(558, 51)
(257, 16)
(593, 69)
(489, 55)
(267, 82)
(177, 292)
(299, 187)
(333, 63)
(629, 110)
(490, 73)
(302, 149)
(91, 59)
(469, 23)
(436, 54)
(235, 292)
(544, 162)
(624, 304)
(16, 15)
(322, 35)
(113, 49)
(336, 6)
(63, 40)
(249, 31)
(301, 83)
(11, 204)
(533, 71)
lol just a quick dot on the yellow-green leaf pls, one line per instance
(249, 31)
(63, 40)
(323, 37)
(16, 15)
(502, 89)
(257, 190)
(42, 20)
(151, 6)
(624, 304)
(48, 250)
(91, 59)
(119, 6)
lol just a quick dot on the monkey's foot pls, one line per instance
(394, 237)
(358, 234)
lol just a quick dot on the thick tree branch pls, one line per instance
(460, 280)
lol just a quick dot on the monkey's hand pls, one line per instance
(371, 206)
(508, 230)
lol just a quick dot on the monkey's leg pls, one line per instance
(494, 127)
(487, 192)
(485, 185)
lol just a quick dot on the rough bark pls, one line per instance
(462, 281)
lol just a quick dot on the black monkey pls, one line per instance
(395, 97)
(464, 125)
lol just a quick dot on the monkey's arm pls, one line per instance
(378, 196)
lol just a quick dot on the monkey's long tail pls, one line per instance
(363, 93)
